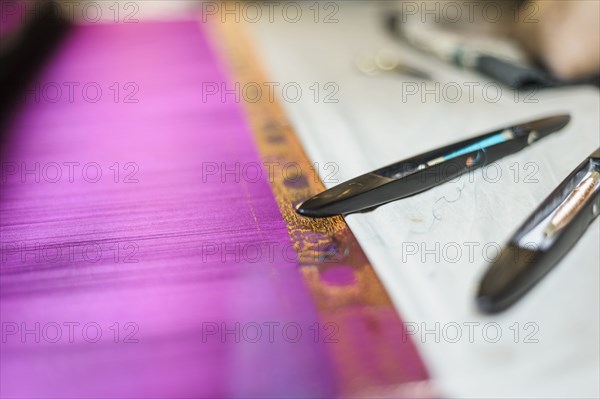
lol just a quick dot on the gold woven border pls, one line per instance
(360, 307)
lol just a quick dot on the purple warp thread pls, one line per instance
(154, 250)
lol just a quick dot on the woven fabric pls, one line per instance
(118, 217)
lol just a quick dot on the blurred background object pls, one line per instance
(565, 36)
(29, 32)
(519, 43)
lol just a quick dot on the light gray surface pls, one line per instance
(373, 125)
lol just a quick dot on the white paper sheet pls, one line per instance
(431, 249)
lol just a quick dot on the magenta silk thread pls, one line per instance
(157, 255)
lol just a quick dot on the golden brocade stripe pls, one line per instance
(342, 282)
